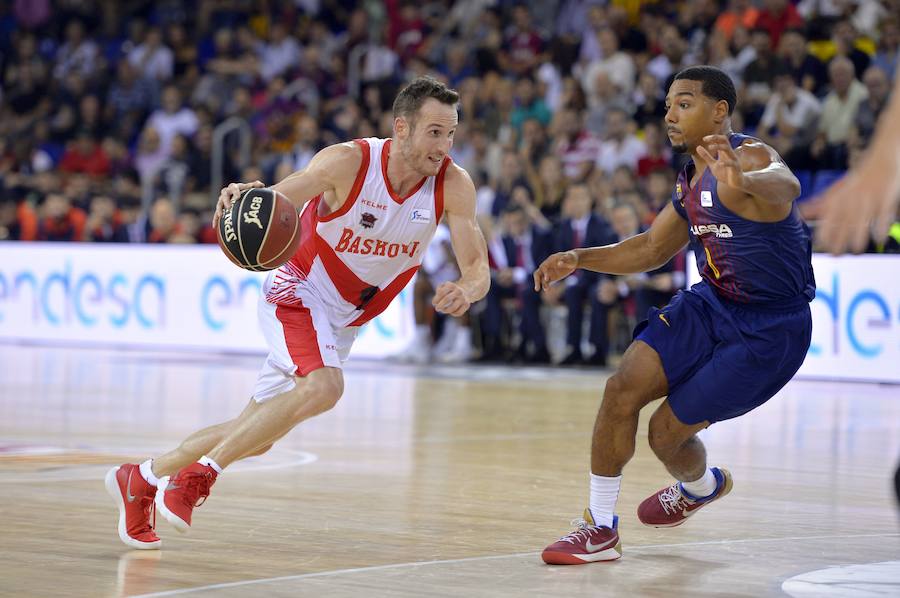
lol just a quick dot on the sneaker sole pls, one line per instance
(729, 484)
(112, 487)
(567, 558)
(177, 522)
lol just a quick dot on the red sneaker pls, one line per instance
(134, 496)
(673, 505)
(188, 489)
(587, 544)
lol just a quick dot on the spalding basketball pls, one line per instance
(261, 231)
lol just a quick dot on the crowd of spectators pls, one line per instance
(109, 112)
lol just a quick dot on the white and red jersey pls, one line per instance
(357, 259)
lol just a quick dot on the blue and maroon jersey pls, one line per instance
(743, 260)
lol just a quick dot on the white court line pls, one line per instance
(249, 582)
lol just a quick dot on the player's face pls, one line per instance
(425, 145)
(690, 115)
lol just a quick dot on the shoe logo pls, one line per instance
(128, 493)
(595, 547)
(665, 321)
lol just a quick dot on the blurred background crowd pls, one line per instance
(120, 121)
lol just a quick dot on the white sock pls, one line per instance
(147, 473)
(423, 334)
(702, 487)
(204, 460)
(604, 493)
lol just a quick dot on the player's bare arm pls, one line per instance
(454, 298)
(640, 253)
(321, 175)
(754, 170)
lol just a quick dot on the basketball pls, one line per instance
(261, 231)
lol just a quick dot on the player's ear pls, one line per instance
(401, 127)
(720, 112)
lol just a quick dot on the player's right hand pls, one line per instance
(556, 267)
(228, 195)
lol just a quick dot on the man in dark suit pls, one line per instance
(581, 228)
(526, 242)
(646, 290)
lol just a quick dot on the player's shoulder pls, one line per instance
(755, 154)
(343, 156)
(457, 182)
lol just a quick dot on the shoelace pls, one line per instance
(672, 499)
(582, 533)
(148, 507)
(196, 488)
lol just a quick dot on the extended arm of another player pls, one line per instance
(640, 253)
(468, 245)
(865, 201)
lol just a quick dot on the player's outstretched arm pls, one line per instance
(754, 168)
(454, 298)
(640, 253)
(864, 203)
(303, 185)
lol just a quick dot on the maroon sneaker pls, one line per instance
(179, 495)
(673, 505)
(134, 497)
(587, 544)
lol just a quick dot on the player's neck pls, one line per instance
(401, 177)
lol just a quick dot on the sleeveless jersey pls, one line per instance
(743, 260)
(356, 259)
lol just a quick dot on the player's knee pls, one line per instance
(318, 394)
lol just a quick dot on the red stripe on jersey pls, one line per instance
(347, 283)
(300, 337)
(357, 183)
(306, 253)
(439, 190)
(384, 297)
(385, 152)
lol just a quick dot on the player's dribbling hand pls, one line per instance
(555, 267)
(450, 299)
(229, 195)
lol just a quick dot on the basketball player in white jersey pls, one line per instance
(369, 208)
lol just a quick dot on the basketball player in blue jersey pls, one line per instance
(719, 349)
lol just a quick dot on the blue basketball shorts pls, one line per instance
(721, 358)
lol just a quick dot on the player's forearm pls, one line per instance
(631, 256)
(475, 280)
(775, 183)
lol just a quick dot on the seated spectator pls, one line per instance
(581, 228)
(104, 223)
(280, 54)
(618, 66)
(511, 176)
(575, 147)
(173, 118)
(528, 104)
(649, 101)
(838, 112)
(879, 88)
(128, 100)
(887, 55)
(790, 120)
(808, 71)
(163, 222)
(18, 221)
(757, 76)
(847, 43)
(525, 244)
(776, 16)
(84, 155)
(659, 192)
(153, 59)
(78, 55)
(657, 153)
(619, 146)
(60, 220)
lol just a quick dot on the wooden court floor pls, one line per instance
(427, 482)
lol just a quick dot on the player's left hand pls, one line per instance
(722, 160)
(450, 299)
